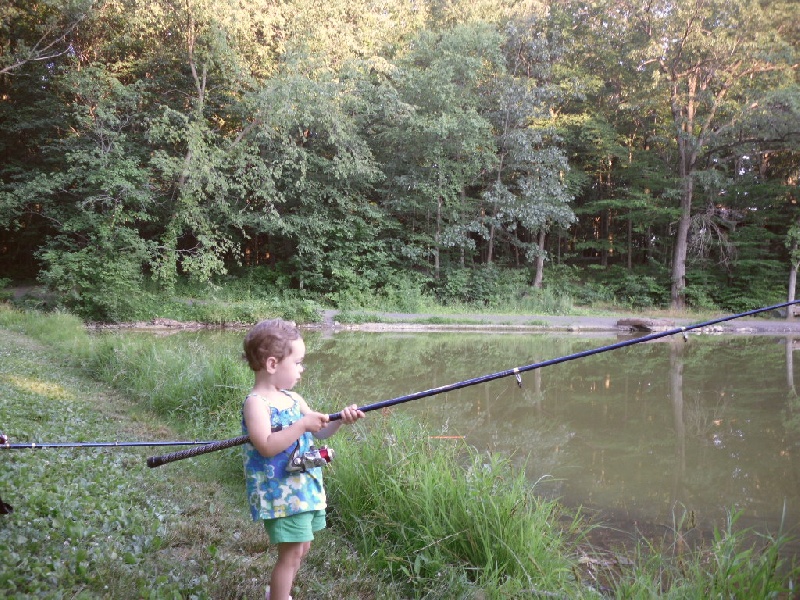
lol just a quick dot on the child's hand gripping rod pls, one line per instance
(155, 461)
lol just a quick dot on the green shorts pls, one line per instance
(295, 528)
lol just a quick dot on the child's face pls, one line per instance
(288, 371)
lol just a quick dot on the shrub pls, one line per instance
(467, 286)
(101, 282)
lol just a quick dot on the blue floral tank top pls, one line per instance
(271, 491)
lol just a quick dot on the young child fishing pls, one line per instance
(281, 427)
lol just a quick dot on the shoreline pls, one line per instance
(414, 322)
(433, 323)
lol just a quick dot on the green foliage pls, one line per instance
(634, 290)
(545, 301)
(447, 518)
(102, 282)
(357, 142)
(638, 289)
(738, 564)
(405, 292)
(467, 286)
(5, 294)
(750, 283)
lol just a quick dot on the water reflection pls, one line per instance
(635, 434)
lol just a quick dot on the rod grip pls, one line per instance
(157, 461)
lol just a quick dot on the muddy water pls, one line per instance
(640, 437)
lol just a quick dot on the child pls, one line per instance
(280, 424)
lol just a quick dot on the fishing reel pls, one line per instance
(300, 463)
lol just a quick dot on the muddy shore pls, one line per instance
(420, 322)
(578, 324)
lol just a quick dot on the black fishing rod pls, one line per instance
(157, 461)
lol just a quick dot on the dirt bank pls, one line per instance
(385, 321)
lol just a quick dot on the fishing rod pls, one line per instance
(6, 445)
(157, 461)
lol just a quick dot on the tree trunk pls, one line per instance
(490, 249)
(678, 291)
(687, 155)
(605, 225)
(539, 277)
(630, 242)
(792, 277)
(676, 362)
(437, 238)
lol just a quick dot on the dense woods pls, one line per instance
(335, 147)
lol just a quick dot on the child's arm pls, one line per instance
(350, 415)
(259, 427)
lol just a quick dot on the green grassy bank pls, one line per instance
(410, 518)
(97, 523)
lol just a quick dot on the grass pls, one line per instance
(100, 524)
(451, 520)
(411, 517)
(238, 302)
(735, 564)
(91, 522)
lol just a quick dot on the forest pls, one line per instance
(339, 148)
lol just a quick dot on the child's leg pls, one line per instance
(290, 557)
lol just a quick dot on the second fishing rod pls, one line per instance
(156, 461)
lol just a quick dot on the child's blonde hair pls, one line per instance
(272, 337)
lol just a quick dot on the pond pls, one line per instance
(638, 436)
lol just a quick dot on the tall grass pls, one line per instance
(199, 387)
(446, 517)
(58, 329)
(737, 563)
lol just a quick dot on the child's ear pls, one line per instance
(270, 364)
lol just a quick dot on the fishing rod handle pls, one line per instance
(157, 461)
(337, 416)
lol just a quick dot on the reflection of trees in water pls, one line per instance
(791, 414)
(702, 417)
(375, 367)
(700, 424)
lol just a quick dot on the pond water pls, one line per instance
(638, 436)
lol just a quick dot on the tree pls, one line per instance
(39, 31)
(704, 56)
(436, 150)
(527, 193)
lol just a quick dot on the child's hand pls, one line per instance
(314, 421)
(351, 414)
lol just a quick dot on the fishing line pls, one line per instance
(156, 461)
